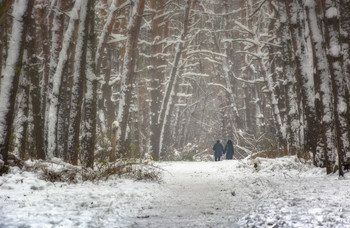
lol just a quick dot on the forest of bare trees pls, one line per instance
(100, 80)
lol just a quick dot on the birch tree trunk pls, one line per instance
(22, 10)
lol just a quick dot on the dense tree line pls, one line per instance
(108, 79)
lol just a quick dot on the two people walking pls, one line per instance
(219, 150)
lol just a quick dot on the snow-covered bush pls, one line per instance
(184, 154)
(190, 152)
(58, 171)
(280, 165)
(206, 155)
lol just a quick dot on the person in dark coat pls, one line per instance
(229, 150)
(218, 150)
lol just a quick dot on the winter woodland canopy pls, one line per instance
(88, 80)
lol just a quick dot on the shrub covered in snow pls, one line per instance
(190, 152)
(281, 165)
(58, 171)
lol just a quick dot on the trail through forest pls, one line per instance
(195, 195)
(277, 193)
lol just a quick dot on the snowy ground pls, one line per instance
(279, 193)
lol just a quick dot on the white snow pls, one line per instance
(9, 71)
(277, 193)
(335, 50)
(331, 12)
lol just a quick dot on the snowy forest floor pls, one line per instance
(278, 193)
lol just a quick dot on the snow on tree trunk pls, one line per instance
(10, 76)
(103, 58)
(79, 80)
(33, 72)
(128, 74)
(323, 83)
(24, 121)
(90, 104)
(300, 59)
(56, 32)
(338, 80)
(5, 6)
(167, 102)
(52, 117)
(157, 34)
(344, 17)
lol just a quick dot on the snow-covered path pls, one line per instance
(194, 194)
(279, 193)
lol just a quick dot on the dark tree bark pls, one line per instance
(23, 149)
(338, 81)
(33, 74)
(91, 92)
(80, 73)
(129, 76)
(324, 104)
(156, 80)
(299, 42)
(12, 74)
(164, 116)
(4, 8)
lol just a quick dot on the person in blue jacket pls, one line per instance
(229, 150)
(218, 150)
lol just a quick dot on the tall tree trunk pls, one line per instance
(32, 72)
(129, 74)
(301, 46)
(109, 105)
(345, 46)
(23, 149)
(338, 80)
(11, 74)
(57, 78)
(42, 42)
(156, 80)
(104, 58)
(322, 85)
(79, 80)
(91, 92)
(4, 8)
(164, 111)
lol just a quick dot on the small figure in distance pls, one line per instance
(218, 150)
(229, 150)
